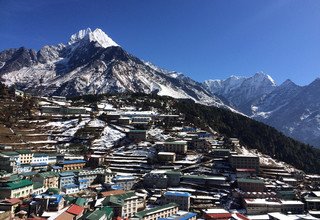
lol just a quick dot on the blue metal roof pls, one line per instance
(70, 186)
(72, 161)
(39, 164)
(174, 193)
(65, 174)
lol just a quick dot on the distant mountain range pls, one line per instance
(292, 109)
(92, 63)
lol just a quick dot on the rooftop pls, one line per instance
(155, 210)
(19, 184)
(176, 193)
(247, 180)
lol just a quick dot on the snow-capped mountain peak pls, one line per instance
(260, 76)
(98, 36)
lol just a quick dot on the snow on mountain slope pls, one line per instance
(91, 62)
(242, 91)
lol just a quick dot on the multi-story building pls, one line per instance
(66, 178)
(15, 188)
(39, 158)
(244, 162)
(251, 185)
(125, 182)
(261, 206)
(48, 179)
(158, 212)
(181, 215)
(25, 156)
(173, 177)
(124, 205)
(167, 156)
(158, 180)
(180, 147)
(48, 202)
(8, 164)
(292, 206)
(72, 164)
(264, 206)
(180, 198)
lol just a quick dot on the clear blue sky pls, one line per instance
(202, 38)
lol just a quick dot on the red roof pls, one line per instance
(217, 216)
(240, 216)
(245, 170)
(13, 201)
(75, 210)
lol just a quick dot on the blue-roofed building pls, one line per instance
(66, 178)
(70, 189)
(40, 166)
(126, 182)
(181, 215)
(180, 198)
(24, 168)
(55, 201)
(83, 184)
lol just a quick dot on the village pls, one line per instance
(114, 160)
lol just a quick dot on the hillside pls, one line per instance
(251, 133)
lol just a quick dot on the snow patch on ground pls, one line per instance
(108, 137)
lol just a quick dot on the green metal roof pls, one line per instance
(19, 184)
(118, 200)
(137, 131)
(10, 153)
(37, 185)
(247, 180)
(24, 151)
(80, 201)
(49, 174)
(97, 214)
(154, 210)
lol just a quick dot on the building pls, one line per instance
(39, 158)
(244, 162)
(25, 156)
(15, 188)
(71, 188)
(47, 179)
(181, 215)
(8, 163)
(125, 182)
(167, 157)
(173, 177)
(104, 213)
(53, 202)
(66, 178)
(204, 180)
(124, 205)
(155, 179)
(180, 198)
(10, 205)
(261, 206)
(72, 164)
(137, 135)
(250, 185)
(180, 147)
(312, 203)
(221, 153)
(163, 211)
(292, 206)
